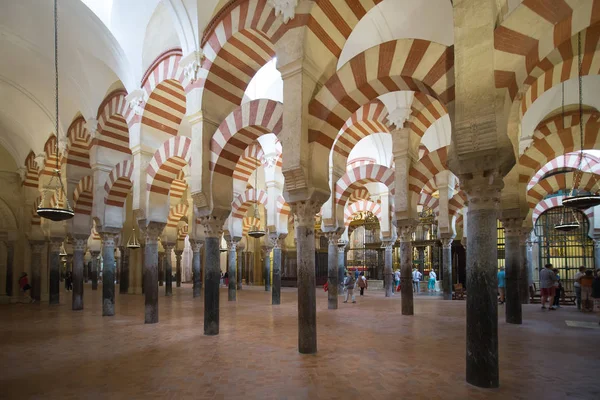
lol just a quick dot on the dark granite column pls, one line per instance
(79, 245)
(37, 247)
(196, 246)
(405, 231)
(524, 273)
(276, 290)
(305, 249)
(213, 227)
(54, 269)
(341, 266)
(161, 267)
(178, 254)
(124, 281)
(596, 254)
(333, 282)
(513, 260)
(267, 266)
(153, 232)
(108, 274)
(10, 256)
(168, 269)
(483, 194)
(95, 268)
(388, 273)
(447, 267)
(240, 263)
(231, 266)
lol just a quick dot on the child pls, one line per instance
(24, 285)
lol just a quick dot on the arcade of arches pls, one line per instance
(373, 135)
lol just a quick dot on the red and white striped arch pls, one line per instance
(247, 223)
(357, 177)
(562, 65)
(362, 205)
(51, 157)
(406, 64)
(79, 143)
(183, 232)
(118, 184)
(428, 201)
(552, 184)
(83, 196)
(283, 208)
(175, 214)
(358, 162)
(547, 146)
(427, 168)
(166, 164)
(457, 203)
(240, 204)
(248, 162)
(242, 127)
(365, 121)
(359, 194)
(36, 220)
(178, 187)
(571, 160)
(32, 171)
(555, 201)
(524, 40)
(114, 119)
(426, 110)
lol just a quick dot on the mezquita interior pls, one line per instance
(299, 199)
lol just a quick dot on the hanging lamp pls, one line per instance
(55, 211)
(576, 200)
(133, 242)
(566, 225)
(255, 230)
(63, 251)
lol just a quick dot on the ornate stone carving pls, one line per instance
(399, 116)
(483, 191)
(196, 245)
(231, 245)
(191, 65)
(153, 231)
(213, 225)
(136, 100)
(405, 231)
(199, 199)
(304, 212)
(285, 8)
(269, 161)
(275, 239)
(40, 160)
(447, 243)
(108, 239)
(37, 246)
(388, 244)
(512, 226)
(333, 237)
(22, 171)
(55, 245)
(91, 125)
(80, 243)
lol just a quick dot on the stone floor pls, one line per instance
(367, 350)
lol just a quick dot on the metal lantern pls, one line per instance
(133, 242)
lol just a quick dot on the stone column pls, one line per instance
(178, 254)
(513, 258)
(124, 281)
(524, 276)
(304, 220)
(79, 245)
(108, 274)
(388, 273)
(196, 273)
(267, 266)
(213, 227)
(333, 282)
(341, 266)
(168, 269)
(37, 247)
(405, 231)
(231, 267)
(597, 253)
(276, 290)
(54, 269)
(95, 269)
(153, 232)
(483, 194)
(161, 267)
(240, 259)
(447, 267)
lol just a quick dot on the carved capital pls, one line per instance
(37, 246)
(196, 245)
(153, 231)
(276, 240)
(388, 244)
(333, 237)
(285, 8)
(447, 243)
(213, 225)
(40, 160)
(79, 243)
(55, 245)
(269, 161)
(232, 245)
(108, 239)
(168, 247)
(191, 65)
(91, 125)
(137, 100)
(406, 229)
(597, 244)
(22, 171)
(304, 212)
(178, 254)
(483, 190)
(512, 226)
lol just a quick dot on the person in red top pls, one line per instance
(25, 286)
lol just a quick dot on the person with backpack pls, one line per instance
(349, 283)
(362, 283)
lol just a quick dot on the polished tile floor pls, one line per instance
(367, 350)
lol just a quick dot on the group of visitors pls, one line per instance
(431, 279)
(351, 281)
(587, 288)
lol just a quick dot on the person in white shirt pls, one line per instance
(577, 285)
(416, 276)
(431, 285)
(396, 279)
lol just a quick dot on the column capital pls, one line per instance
(389, 244)
(196, 245)
(482, 189)
(168, 247)
(232, 244)
(79, 242)
(285, 8)
(108, 238)
(333, 236)
(405, 229)
(55, 244)
(512, 226)
(178, 253)
(447, 243)
(153, 231)
(213, 225)
(266, 249)
(37, 246)
(597, 243)
(304, 212)
(95, 253)
(275, 239)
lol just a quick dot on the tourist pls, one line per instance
(587, 281)
(557, 289)
(349, 283)
(397, 280)
(577, 285)
(69, 281)
(432, 278)
(226, 278)
(25, 287)
(362, 283)
(416, 276)
(547, 279)
(502, 284)
(356, 274)
(596, 291)
(221, 279)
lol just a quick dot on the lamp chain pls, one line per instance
(56, 73)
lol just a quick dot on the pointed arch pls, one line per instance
(78, 148)
(118, 184)
(115, 117)
(32, 172)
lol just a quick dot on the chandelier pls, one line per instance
(55, 202)
(575, 199)
(255, 230)
(568, 220)
(133, 242)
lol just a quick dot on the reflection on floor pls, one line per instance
(366, 350)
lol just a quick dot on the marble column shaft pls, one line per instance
(108, 274)
(178, 254)
(513, 259)
(524, 273)
(333, 282)
(267, 266)
(168, 269)
(240, 264)
(79, 245)
(37, 247)
(305, 249)
(212, 276)
(388, 273)
(447, 268)
(341, 267)
(196, 273)
(406, 288)
(124, 281)
(54, 269)
(153, 231)
(231, 267)
(597, 254)
(95, 268)
(276, 290)
(161, 267)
